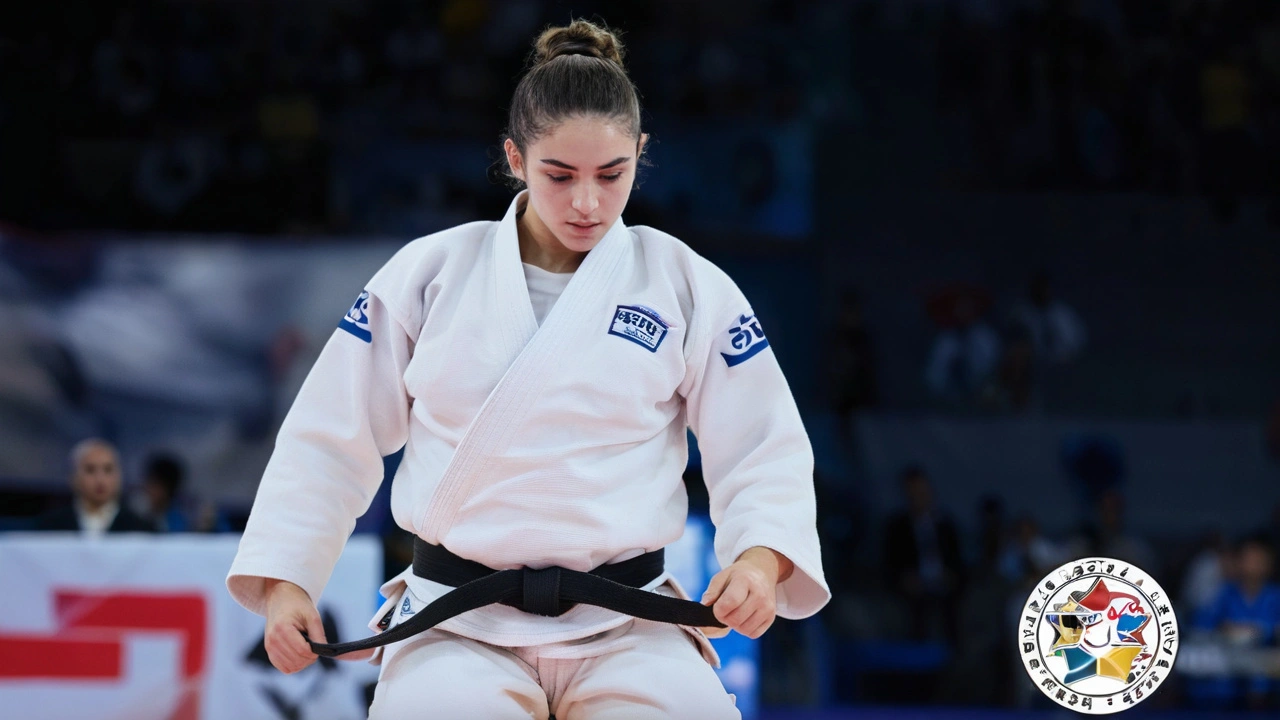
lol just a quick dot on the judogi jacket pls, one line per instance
(530, 446)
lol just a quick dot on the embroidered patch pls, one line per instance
(743, 341)
(356, 320)
(640, 325)
(655, 315)
(406, 607)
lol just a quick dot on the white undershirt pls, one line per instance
(96, 523)
(544, 289)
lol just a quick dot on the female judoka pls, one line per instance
(541, 372)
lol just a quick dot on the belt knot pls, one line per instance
(542, 592)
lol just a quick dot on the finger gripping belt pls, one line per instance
(550, 592)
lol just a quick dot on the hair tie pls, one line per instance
(578, 47)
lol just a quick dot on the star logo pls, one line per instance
(1098, 635)
(1066, 627)
(1098, 632)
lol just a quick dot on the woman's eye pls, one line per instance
(611, 178)
(559, 178)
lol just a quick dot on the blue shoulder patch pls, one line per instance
(743, 341)
(356, 321)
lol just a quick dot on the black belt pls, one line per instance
(550, 592)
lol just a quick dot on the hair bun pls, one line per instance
(580, 37)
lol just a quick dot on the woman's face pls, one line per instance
(579, 177)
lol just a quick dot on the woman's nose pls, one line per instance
(584, 199)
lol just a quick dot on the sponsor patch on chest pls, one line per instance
(640, 325)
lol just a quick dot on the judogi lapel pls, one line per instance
(534, 350)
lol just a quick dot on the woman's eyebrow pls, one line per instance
(606, 166)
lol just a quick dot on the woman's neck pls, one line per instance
(539, 246)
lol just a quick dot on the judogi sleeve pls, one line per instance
(352, 410)
(756, 458)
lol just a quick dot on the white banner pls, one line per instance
(142, 628)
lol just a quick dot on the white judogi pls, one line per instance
(650, 670)
(526, 445)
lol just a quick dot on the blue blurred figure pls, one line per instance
(161, 487)
(1246, 616)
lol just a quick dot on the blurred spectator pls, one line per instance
(991, 534)
(853, 371)
(966, 351)
(1246, 614)
(1056, 333)
(1096, 462)
(1029, 556)
(981, 656)
(1227, 152)
(1104, 535)
(173, 170)
(1205, 573)
(414, 48)
(1272, 433)
(124, 72)
(1273, 530)
(161, 483)
(1099, 144)
(1014, 386)
(922, 559)
(95, 487)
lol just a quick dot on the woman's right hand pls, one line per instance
(290, 613)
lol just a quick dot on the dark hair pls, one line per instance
(165, 470)
(1255, 540)
(574, 70)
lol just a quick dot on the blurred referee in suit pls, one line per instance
(95, 486)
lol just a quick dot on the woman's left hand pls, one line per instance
(744, 595)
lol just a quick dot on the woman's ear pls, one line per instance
(644, 140)
(514, 161)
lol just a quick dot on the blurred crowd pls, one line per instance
(981, 357)
(1151, 95)
(237, 116)
(925, 604)
(99, 501)
(248, 116)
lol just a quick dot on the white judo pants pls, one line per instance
(640, 671)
